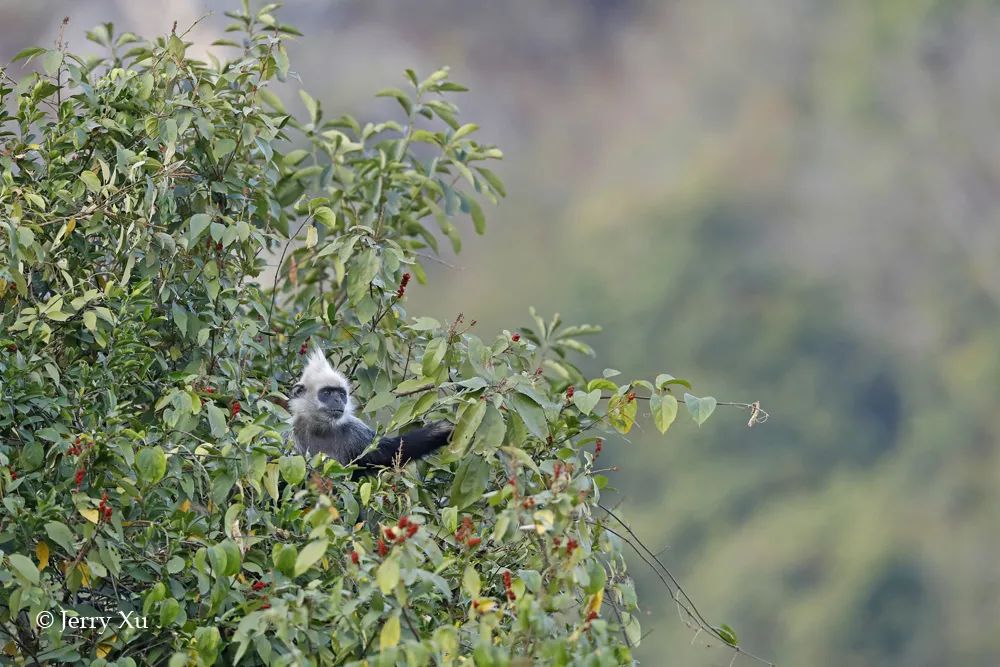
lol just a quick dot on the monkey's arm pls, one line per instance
(407, 446)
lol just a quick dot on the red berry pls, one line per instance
(569, 391)
(107, 514)
(412, 529)
(474, 541)
(259, 585)
(13, 473)
(516, 337)
(265, 606)
(598, 446)
(382, 548)
(390, 533)
(630, 396)
(403, 521)
(571, 545)
(79, 476)
(355, 557)
(235, 410)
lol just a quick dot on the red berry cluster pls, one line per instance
(77, 448)
(570, 391)
(511, 595)
(383, 550)
(355, 557)
(571, 544)
(305, 346)
(258, 585)
(403, 530)
(464, 533)
(235, 409)
(402, 285)
(104, 509)
(80, 474)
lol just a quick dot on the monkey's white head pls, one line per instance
(322, 395)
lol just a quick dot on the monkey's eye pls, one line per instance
(298, 390)
(326, 392)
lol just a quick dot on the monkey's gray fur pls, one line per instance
(323, 421)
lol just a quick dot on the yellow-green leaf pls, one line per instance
(389, 637)
(387, 575)
(664, 409)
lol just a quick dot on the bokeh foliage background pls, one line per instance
(790, 200)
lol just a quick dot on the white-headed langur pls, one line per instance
(323, 421)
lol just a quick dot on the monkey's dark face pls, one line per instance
(330, 400)
(322, 395)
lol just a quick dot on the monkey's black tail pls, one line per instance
(408, 446)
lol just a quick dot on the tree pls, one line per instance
(174, 239)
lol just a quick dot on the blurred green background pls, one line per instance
(791, 201)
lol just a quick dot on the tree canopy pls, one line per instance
(175, 239)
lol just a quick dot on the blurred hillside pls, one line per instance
(794, 201)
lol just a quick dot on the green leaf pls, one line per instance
(293, 468)
(90, 320)
(471, 582)
(387, 575)
(216, 420)
(91, 180)
(470, 481)
(472, 417)
(223, 147)
(51, 61)
(197, 225)
(309, 555)
(700, 409)
(531, 413)
(27, 54)
(24, 568)
(433, 355)
(664, 409)
(727, 634)
(586, 401)
(284, 557)
(476, 212)
(151, 464)
(60, 533)
(425, 324)
(170, 609)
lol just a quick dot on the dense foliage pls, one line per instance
(174, 240)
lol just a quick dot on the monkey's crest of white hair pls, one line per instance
(318, 372)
